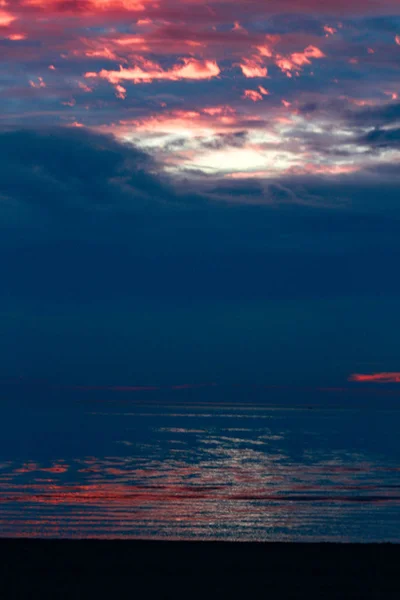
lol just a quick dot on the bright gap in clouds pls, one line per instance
(185, 141)
(234, 160)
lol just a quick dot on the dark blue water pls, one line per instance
(205, 471)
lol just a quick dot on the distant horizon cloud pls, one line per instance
(376, 377)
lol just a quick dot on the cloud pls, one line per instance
(6, 18)
(297, 60)
(252, 67)
(381, 138)
(60, 174)
(149, 71)
(87, 220)
(87, 6)
(210, 120)
(376, 116)
(73, 176)
(376, 378)
(39, 84)
(219, 141)
(259, 7)
(169, 44)
(222, 198)
(289, 64)
(253, 95)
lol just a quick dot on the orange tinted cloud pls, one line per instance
(386, 377)
(89, 5)
(149, 71)
(294, 62)
(120, 92)
(39, 84)
(17, 37)
(226, 6)
(329, 30)
(265, 51)
(216, 119)
(252, 95)
(85, 88)
(252, 67)
(144, 22)
(290, 64)
(315, 169)
(6, 18)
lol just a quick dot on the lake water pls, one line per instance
(135, 469)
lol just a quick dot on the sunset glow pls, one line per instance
(376, 378)
(141, 64)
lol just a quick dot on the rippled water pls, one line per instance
(204, 471)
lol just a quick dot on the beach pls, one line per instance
(35, 568)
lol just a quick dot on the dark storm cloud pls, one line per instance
(376, 116)
(61, 181)
(382, 138)
(62, 173)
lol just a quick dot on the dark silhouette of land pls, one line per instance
(150, 569)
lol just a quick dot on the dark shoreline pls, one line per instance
(33, 568)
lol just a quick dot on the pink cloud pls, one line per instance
(194, 124)
(376, 377)
(71, 102)
(216, 119)
(120, 92)
(150, 71)
(393, 95)
(252, 95)
(313, 52)
(222, 8)
(37, 84)
(265, 51)
(17, 37)
(89, 5)
(329, 30)
(237, 27)
(252, 67)
(6, 18)
(101, 53)
(85, 88)
(248, 175)
(315, 169)
(294, 62)
(218, 110)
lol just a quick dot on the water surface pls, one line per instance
(205, 471)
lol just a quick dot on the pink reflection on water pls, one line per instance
(232, 488)
(203, 479)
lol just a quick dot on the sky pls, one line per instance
(199, 192)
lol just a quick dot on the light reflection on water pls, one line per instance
(208, 473)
